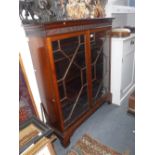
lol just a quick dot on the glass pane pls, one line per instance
(69, 57)
(100, 64)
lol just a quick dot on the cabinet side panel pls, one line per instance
(43, 76)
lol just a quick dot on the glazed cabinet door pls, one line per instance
(70, 68)
(100, 64)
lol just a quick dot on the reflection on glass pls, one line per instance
(100, 64)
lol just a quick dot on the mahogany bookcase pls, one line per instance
(71, 60)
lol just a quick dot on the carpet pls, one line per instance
(90, 146)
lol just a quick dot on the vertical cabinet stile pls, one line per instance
(108, 34)
(88, 64)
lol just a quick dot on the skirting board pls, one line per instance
(125, 97)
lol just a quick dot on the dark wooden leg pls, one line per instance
(65, 141)
(64, 136)
(108, 102)
(109, 99)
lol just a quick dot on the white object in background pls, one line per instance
(119, 2)
(122, 68)
(118, 7)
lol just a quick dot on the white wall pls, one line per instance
(120, 20)
(131, 19)
(124, 19)
(26, 57)
(119, 9)
(118, 2)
